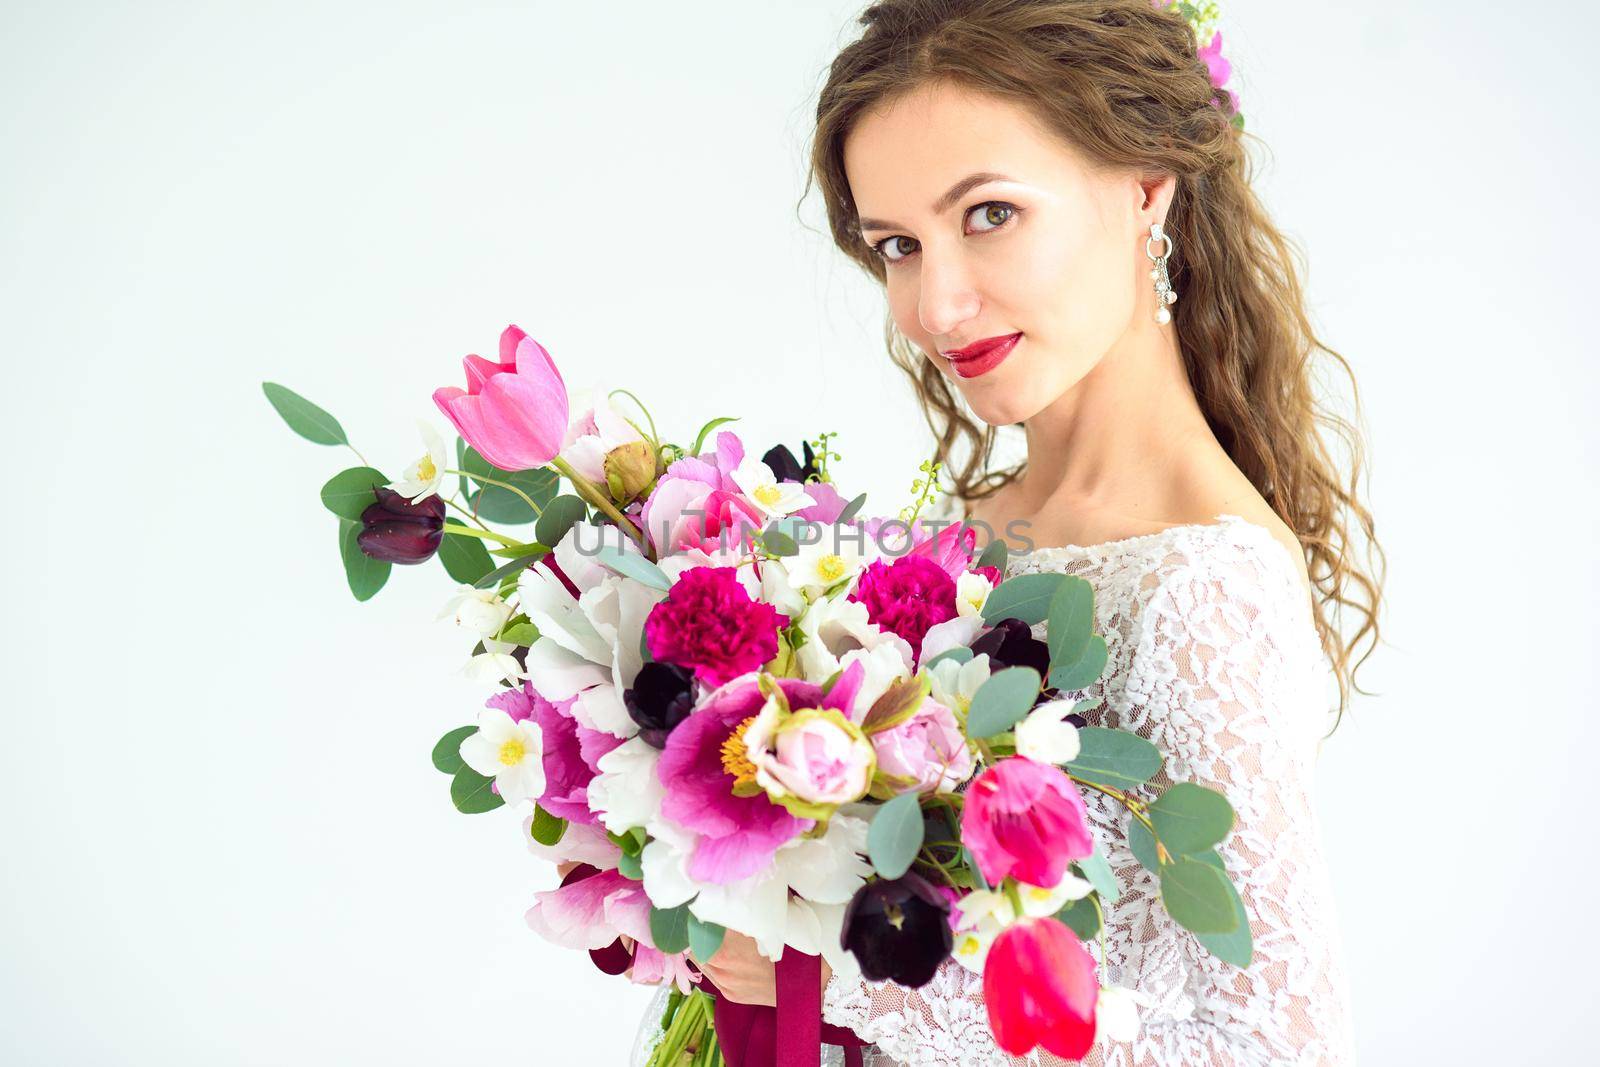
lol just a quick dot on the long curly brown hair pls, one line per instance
(1120, 81)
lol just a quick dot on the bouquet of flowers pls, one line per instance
(723, 699)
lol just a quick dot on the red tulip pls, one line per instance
(1040, 988)
(513, 412)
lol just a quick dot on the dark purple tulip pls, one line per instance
(1011, 644)
(898, 929)
(398, 531)
(662, 696)
(785, 468)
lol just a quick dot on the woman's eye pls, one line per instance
(995, 213)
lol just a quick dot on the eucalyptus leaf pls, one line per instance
(1143, 846)
(1026, 597)
(516, 566)
(497, 504)
(631, 565)
(1002, 701)
(895, 836)
(1236, 946)
(470, 792)
(779, 543)
(362, 573)
(351, 491)
(852, 509)
(1084, 671)
(464, 557)
(995, 554)
(1082, 916)
(630, 867)
(304, 417)
(1115, 758)
(669, 928)
(547, 829)
(1190, 818)
(560, 515)
(704, 938)
(447, 752)
(1197, 896)
(959, 654)
(1071, 621)
(1097, 870)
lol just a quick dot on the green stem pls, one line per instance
(486, 535)
(591, 493)
(504, 485)
(1135, 808)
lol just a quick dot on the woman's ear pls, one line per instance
(1155, 196)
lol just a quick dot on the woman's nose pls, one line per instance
(947, 297)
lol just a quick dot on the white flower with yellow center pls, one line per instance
(510, 752)
(983, 914)
(1039, 901)
(421, 479)
(825, 564)
(756, 481)
(955, 684)
(481, 612)
(1116, 1013)
(495, 664)
(1045, 735)
(972, 592)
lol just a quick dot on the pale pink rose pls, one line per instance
(813, 754)
(928, 748)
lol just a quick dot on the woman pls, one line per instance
(1029, 181)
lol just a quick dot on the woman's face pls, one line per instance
(1051, 251)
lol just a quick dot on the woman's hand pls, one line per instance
(745, 975)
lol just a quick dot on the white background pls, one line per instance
(223, 841)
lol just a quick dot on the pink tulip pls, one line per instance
(1039, 987)
(513, 412)
(1025, 820)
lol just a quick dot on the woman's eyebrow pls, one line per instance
(945, 202)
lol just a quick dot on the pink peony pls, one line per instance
(703, 760)
(571, 751)
(907, 597)
(929, 748)
(709, 624)
(591, 909)
(1040, 988)
(697, 504)
(814, 754)
(1026, 820)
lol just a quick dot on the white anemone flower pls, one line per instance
(510, 752)
(983, 914)
(1045, 735)
(421, 479)
(823, 564)
(775, 499)
(972, 593)
(955, 684)
(495, 664)
(1039, 901)
(1116, 1013)
(480, 612)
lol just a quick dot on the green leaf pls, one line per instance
(705, 431)
(630, 867)
(304, 417)
(960, 654)
(995, 554)
(1236, 946)
(471, 794)
(969, 863)
(632, 565)
(1196, 895)
(523, 633)
(1114, 757)
(364, 574)
(461, 465)
(851, 509)
(495, 503)
(1026, 597)
(669, 928)
(778, 542)
(560, 515)
(704, 938)
(516, 566)
(1143, 846)
(1085, 671)
(898, 704)
(1190, 818)
(1082, 916)
(1071, 620)
(1002, 701)
(547, 829)
(895, 836)
(1097, 870)
(447, 752)
(350, 492)
(464, 557)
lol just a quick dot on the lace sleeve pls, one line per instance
(1220, 676)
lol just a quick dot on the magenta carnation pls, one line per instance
(571, 751)
(907, 597)
(709, 624)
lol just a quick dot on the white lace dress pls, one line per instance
(1213, 656)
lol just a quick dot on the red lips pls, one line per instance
(983, 356)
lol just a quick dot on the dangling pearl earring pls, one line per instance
(1165, 294)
